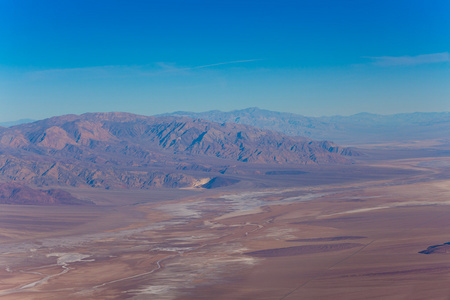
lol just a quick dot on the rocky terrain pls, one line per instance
(363, 238)
(124, 150)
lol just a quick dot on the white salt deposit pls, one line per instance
(65, 258)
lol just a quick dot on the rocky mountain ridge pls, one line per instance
(134, 151)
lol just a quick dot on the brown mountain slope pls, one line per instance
(127, 150)
(13, 193)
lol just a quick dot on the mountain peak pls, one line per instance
(252, 109)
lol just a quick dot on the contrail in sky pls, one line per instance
(114, 70)
(388, 61)
(222, 63)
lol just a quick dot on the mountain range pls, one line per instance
(122, 150)
(14, 123)
(356, 129)
(350, 130)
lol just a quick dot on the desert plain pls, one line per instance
(375, 229)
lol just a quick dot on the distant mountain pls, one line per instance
(133, 151)
(355, 129)
(14, 123)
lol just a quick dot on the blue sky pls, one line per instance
(309, 57)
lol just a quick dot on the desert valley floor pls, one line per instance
(375, 229)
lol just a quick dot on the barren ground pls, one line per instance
(349, 233)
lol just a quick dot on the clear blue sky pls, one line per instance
(308, 57)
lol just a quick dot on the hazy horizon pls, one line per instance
(311, 58)
(206, 111)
